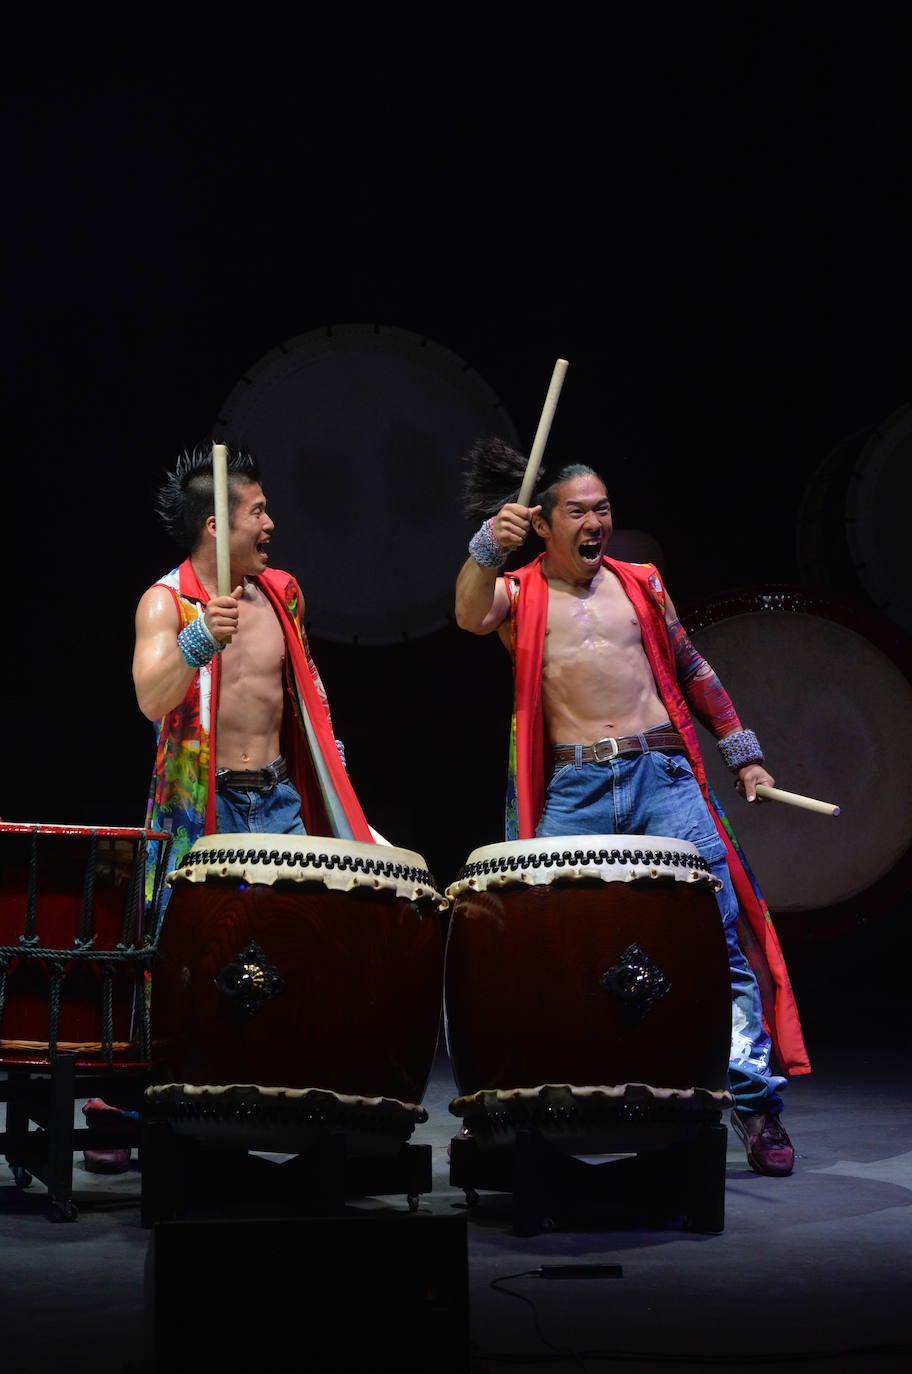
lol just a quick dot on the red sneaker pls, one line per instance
(769, 1150)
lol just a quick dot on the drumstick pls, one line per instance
(793, 799)
(222, 551)
(220, 478)
(541, 434)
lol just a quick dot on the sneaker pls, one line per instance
(108, 1161)
(769, 1150)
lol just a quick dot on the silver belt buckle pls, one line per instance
(271, 768)
(612, 752)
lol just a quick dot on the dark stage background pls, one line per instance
(705, 212)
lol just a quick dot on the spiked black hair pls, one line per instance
(187, 498)
(494, 474)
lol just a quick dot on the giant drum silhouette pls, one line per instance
(827, 687)
(582, 968)
(300, 962)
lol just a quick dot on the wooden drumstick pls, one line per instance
(794, 799)
(541, 434)
(220, 479)
(222, 550)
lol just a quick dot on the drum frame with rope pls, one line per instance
(77, 943)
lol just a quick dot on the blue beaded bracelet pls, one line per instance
(197, 644)
(739, 749)
(485, 548)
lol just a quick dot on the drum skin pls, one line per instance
(358, 1010)
(827, 689)
(525, 1003)
(72, 934)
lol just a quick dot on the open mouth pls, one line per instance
(591, 551)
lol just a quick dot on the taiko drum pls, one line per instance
(300, 962)
(586, 960)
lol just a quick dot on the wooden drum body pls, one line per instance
(300, 962)
(76, 942)
(589, 961)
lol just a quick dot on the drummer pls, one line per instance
(217, 676)
(606, 682)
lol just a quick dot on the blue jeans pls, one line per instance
(276, 812)
(657, 794)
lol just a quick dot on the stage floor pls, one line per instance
(810, 1272)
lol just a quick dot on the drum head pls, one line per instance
(360, 429)
(829, 695)
(333, 863)
(577, 858)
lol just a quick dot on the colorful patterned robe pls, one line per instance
(182, 796)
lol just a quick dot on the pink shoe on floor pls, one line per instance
(100, 1114)
(769, 1150)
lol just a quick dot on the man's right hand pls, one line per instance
(221, 615)
(512, 524)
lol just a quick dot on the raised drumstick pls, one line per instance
(541, 434)
(794, 799)
(222, 551)
(220, 479)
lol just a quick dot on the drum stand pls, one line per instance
(45, 1096)
(658, 1176)
(237, 1152)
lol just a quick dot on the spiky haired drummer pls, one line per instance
(244, 737)
(607, 684)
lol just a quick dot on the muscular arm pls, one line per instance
(482, 603)
(708, 700)
(703, 692)
(482, 600)
(161, 674)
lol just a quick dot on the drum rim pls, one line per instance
(103, 831)
(778, 598)
(498, 865)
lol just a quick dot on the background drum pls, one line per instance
(586, 960)
(851, 533)
(300, 962)
(827, 689)
(387, 413)
(76, 942)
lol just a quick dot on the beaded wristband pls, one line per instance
(341, 748)
(197, 643)
(485, 549)
(739, 749)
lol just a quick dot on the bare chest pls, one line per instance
(259, 645)
(599, 618)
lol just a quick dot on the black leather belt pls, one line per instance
(253, 780)
(662, 741)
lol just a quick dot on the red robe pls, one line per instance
(526, 797)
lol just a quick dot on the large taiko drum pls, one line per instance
(827, 688)
(300, 962)
(578, 965)
(77, 938)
